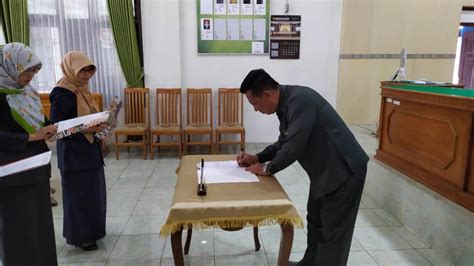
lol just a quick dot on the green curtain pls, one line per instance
(15, 21)
(125, 35)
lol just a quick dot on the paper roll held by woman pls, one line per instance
(26, 223)
(79, 155)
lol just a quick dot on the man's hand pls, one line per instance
(257, 169)
(244, 159)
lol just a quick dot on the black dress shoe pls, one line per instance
(88, 246)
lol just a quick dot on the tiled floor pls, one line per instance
(139, 195)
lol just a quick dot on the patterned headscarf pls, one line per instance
(72, 63)
(24, 102)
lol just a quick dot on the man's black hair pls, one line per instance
(257, 81)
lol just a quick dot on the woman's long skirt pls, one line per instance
(26, 225)
(84, 205)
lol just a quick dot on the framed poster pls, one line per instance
(233, 26)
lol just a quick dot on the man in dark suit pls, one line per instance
(312, 133)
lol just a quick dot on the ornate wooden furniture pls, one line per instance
(427, 133)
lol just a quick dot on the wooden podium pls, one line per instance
(427, 133)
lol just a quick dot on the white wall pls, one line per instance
(171, 59)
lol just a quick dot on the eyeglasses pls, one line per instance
(88, 69)
(33, 70)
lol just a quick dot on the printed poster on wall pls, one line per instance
(233, 26)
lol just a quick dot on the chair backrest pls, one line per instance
(230, 107)
(168, 107)
(44, 97)
(199, 106)
(137, 105)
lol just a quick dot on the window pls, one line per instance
(60, 26)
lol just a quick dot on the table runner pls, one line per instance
(227, 205)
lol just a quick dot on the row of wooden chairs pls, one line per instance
(138, 132)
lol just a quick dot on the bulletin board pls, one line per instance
(233, 26)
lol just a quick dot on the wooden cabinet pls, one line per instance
(47, 105)
(430, 137)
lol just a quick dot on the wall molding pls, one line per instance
(397, 56)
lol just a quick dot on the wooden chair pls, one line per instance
(44, 97)
(137, 120)
(230, 117)
(199, 117)
(168, 119)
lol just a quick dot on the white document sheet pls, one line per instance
(259, 7)
(259, 29)
(224, 172)
(206, 7)
(220, 29)
(246, 27)
(233, 30)
(25, 164)
(70, 123)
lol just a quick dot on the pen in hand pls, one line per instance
(241, 157)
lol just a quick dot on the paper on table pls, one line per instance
(70, 123)
(225, 172)
(25, 164)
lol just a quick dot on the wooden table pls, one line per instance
(428, 134)
(228, 203)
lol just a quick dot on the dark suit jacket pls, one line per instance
(14, 146)
(75, 153)
(312, 133)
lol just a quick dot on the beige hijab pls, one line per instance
(72, 63)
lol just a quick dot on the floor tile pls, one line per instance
(71, 254)
(273, 257)
(202, 245)
(360, 257)
(131, 183)
(434, 258)
(192, 261)
(124, 194)
(411, 238)
(140, 193)
(115, 225)
(238, 260)
(135, 247)
(156, 193)
(379, 238)
(398, 257)
(141, 225)
(234, 243)
(152, 207)
(155, 262)
(387, 217)
(120, 208)
(366, 217)
(271, 240)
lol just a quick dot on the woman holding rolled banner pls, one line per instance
(26, 222)
(79, 155)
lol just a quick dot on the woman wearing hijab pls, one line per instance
(79, 156)
(26, 222)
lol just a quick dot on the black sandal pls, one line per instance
(88, 246)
